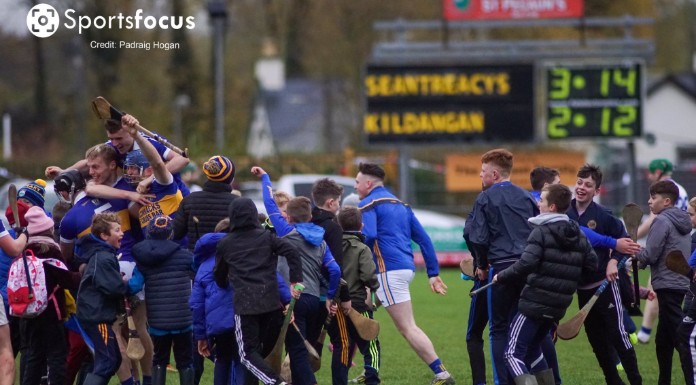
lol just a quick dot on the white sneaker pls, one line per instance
(643, 337)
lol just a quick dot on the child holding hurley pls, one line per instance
(555, 258)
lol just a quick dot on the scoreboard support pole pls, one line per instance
(632, 170)
(404, 173)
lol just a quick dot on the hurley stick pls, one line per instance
(676, 262)
(274, 359)
(314, 359)
(632, 215)
(367, 328)
(319, 343)
(571, 328)
(482, 288)
(467, 267)
(195, 225)
(135, 349)
(104, 110)
(12, 197)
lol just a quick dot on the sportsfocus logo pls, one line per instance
(43, 21)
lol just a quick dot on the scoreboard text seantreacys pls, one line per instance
(449, 103)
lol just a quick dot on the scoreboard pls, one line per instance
(431, 103)
(594, 100)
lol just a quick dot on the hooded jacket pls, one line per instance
(166, 267)
(555, 259)
(101, 288)
(212, 306)
(333, 234)
(209, 206)
(247, 257)
(308, 238)
(358, 269)
(669, 231)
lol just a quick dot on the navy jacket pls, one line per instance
(499, 227)
(166, 267)
(601, 220)
(209, 206)
(101, 288)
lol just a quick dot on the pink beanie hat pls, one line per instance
(37, 220)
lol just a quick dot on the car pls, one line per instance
(444, 230)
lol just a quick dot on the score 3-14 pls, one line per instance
(599, 100)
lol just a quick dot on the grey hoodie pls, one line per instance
(669, 231)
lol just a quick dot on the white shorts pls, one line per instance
(3, 316)
(393, 286)
(127, 271)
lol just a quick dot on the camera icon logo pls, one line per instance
(42, 20)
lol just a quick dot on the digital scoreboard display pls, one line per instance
(594, 100)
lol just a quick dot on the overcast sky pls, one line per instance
(13, 17)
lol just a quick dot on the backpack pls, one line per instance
(27, 293)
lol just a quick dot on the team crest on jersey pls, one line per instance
(592, 224)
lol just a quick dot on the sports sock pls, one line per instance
(128, 381)
(437, 367)
(645, 330)
(147, 380)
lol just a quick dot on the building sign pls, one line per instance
(449, 103)
(594, 100)
(511, 9)
(462, 170)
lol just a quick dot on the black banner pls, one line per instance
(449, 103)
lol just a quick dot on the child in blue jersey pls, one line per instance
(145, 163)
(604, 324)
(308, 238)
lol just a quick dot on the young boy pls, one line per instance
(669, 231)
(308, 239)
(166, 269)
(556, 257)
(213, 311)
(247, 257)
(605, 322)
(359, 271)
(101, 294)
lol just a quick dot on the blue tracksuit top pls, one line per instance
(389, 227)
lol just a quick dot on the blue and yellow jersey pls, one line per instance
(166, 202)
(163, 151)
(78, 220)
